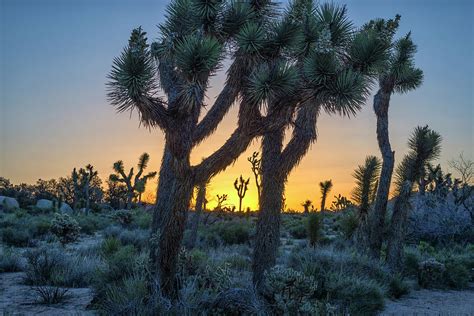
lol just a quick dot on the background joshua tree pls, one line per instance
(195, 37)
(425, 146)
(220, 201)
(200, 206)
(241, 186)
(340, 203)
(335, 65)
(400, 75)
(256, 163)
(135, 185)
(366, 177)
(325, 188)
(87, 175)
(307, 206)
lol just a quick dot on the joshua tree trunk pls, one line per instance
(323, 203)
(268, 224)
(129, 198)
(200, 204)
(87, 195)
(377, 218)
(276, 165)
(398, 225)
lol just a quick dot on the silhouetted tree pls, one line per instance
(241, 186)
(255, 161)
(86, 176)
(325, 188)
(307, 206)
(135, 185)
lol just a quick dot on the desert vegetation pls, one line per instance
(407, 224)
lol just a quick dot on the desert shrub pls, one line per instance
(14, 237)
(65, 228)
(142, 219)
(43, 265)
(123, 217)
(411, 262)
(456, 275)
(10, 260)
(297, 229)
(357, 295)
(238, 262)
(314, 225)
(92, 223)
(348, 223)
(137, 237)
(431, 274)
(339, 272)
(50, 294)
(232, 232)
(397, 287)
(290, 292)
(78, 271)
(110, 245)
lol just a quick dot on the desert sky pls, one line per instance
(55, 56)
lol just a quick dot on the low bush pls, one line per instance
(314, 225)
(123, 217)
(65, 228)
(397, 287)
(297, 229)
(92, 223)
(51, 294)
(10, 260)
(347, 223)
(232, 232)
(15, 237)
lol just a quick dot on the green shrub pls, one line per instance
(9, 260)
(232, 232)
(411, 262)
(65, 228)
(314, 228)
(43, 265)
(238, 262)
(397, 287)
(123, 217)
(92, 223)
(358, 295)
(50, 294)
(110, 246)
(431, 274)
(297, 229)
(290, 292)
(14, 237)
(348, 224)
(456, 275)
(142, 219)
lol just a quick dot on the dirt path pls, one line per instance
(19, 299)
(433, 302)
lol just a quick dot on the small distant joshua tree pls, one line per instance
(256, 163)
(86, 177)
(325, 187)
(200, 206)
(340, 203)
(220, 201)
(241, 186)
(137, 185)
(308, 205)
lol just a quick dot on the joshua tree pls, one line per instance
(335, 65)
(425, 146)
(75, 181)
(340, 203)
(465, 168)
(366, 177)
(256, 162)
(325, 188)
(195, 37)
(220, 201)
(400, 75)
(241, 187)
(200, 205)
(87, 174)
(135, 185)
(307, 206)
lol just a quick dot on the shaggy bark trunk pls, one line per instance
(200, 203)
(87, 194)
(129, 199)
(276, 165)
(377, 218)
(397, 232)
(323, 203)
(268, 224)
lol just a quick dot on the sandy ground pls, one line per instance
(433, 302)
(19, 299)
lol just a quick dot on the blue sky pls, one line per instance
(55, 56)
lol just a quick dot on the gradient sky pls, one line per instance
(54, 115)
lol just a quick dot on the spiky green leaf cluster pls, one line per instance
(272, 81)
(424, 147)
(132, 75)
(335, 17)
(251, 39)
(368, 53)
(366, 177)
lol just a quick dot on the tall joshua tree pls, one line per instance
(399, 76)
(135, 184)
(195, 37)
(87, 174)
(307, 205)
(335, 64)
(366, 177)
(241, 186)
(325, 187)
(424, 146)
